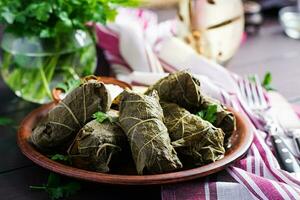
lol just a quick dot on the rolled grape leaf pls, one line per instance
(61, 124)
(224, 118)
(196, 141)
(141, 117)
(97, 145)
(184, 90)
(180, 88)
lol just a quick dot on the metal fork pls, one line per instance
(252, 93)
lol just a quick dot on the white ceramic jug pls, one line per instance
(214, 28)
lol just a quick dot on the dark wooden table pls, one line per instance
(270, 51)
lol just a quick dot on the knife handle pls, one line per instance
(297, 141)
(285, 158)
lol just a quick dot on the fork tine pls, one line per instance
(260, 93)
(241, 85)
(249, 94)
(255, 95)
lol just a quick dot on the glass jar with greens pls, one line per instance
(31, 66)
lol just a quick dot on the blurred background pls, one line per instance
(265, 45)
(246, 37)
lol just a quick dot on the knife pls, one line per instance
(285, 157)
(286, 117)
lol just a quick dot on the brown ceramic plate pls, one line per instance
(241, 141)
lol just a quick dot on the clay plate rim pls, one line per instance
(241, 141)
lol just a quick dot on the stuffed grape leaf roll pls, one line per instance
(98, 145)
(141, 117)
(195, 140)
(180, 88)
(224, 118)
(184, 89)
(59, 127)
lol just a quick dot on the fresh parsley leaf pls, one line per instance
(5, 121)
(69, 85)
(55, 193)
(52, 18)
(267, 79)
(53, 180)
(63, 158)
(100, 116)
(57, 189)
(267, 82)
(209, 114)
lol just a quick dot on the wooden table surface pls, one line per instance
(270, 51)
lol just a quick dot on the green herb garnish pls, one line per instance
(209, 114)
(69, 85)
(56, 189)
(5, 121)
(50, 18)
(61, 158)
(267, 82)
(101, 117)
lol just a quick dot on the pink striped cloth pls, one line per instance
(141, 51)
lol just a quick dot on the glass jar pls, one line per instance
(32, 66)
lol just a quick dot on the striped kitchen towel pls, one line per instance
(141, 51)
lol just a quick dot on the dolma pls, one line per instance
(180, 88)
(184, 90)
(59, 127)
(98, 145)
(194, 139)
(224, 118)
(141, 117)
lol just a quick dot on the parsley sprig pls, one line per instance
(61, 158)
(101, 117)
(50, 18)
(5, 121)
(55, 187)
(209, 114)
(267, 82)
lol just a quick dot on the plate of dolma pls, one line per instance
(171, 133)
